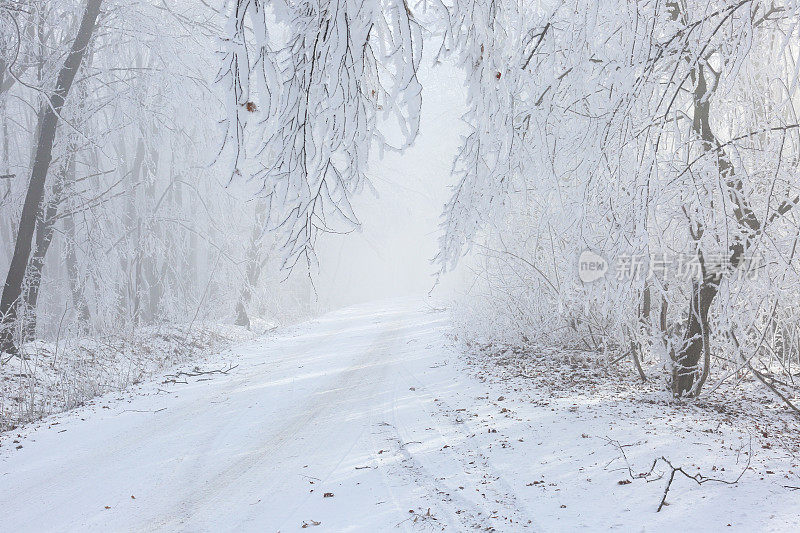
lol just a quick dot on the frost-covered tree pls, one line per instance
(310, 85)
(659, 129)
(32, 215)
(135, 227)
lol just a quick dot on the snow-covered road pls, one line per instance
(369, 420)
(336, 424)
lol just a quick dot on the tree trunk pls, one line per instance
(687, 379)
(12, 290)
(44, 237)
(686, 369)
(151, 273)
(6, 230)
(128, 288)
(242, 319)
(254, 267)
(73, 275)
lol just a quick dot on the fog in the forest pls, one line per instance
(392, 254)
(374, 265)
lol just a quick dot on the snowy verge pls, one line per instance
(588, 441)
(51, 377)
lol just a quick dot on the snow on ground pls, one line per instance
(51, 377)
(369, 419)
(591, 433)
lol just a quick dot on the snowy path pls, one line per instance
(373, 405)
(353, 404)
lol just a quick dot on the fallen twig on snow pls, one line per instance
(698, 477)
(197, 372)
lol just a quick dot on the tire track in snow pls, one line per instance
(500, 510)
(282, 445)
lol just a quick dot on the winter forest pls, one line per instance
(419, 265)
